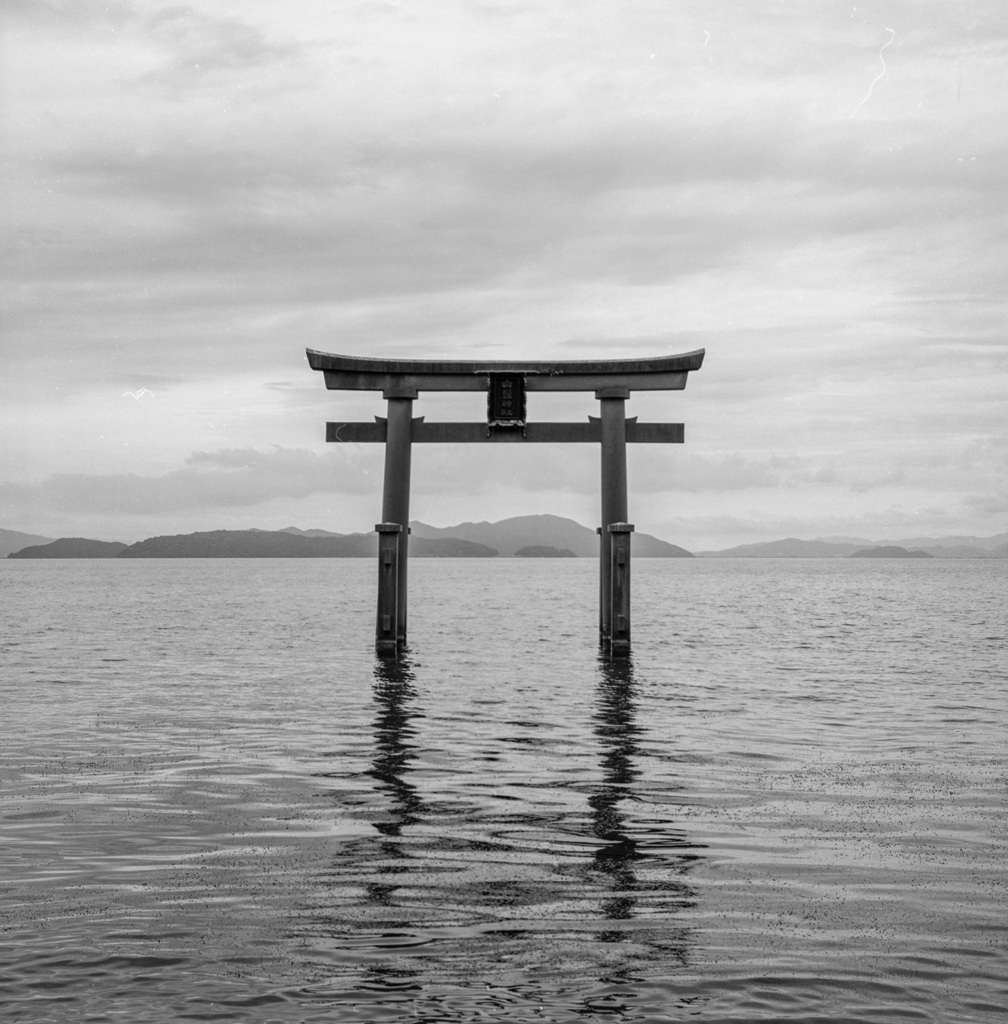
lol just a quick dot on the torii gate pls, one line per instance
(506, 385)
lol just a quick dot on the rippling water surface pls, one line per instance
(790, 804)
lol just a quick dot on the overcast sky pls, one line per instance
(814, 192)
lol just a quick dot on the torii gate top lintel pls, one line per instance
(364, 373)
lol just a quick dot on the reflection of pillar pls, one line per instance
(387, 866)
(616, 728)
(396, 493)
(614, 491)
(394, 745)
(668, 854)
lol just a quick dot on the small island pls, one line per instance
(543, 551)
(72, 547)
(890, 551)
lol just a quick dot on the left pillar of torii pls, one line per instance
(506, 385)
(393, 530)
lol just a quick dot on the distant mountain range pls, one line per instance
(524, 536)
(844, 547)
(250, 544)
(544, 536)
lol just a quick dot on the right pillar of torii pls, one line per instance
(614, 534)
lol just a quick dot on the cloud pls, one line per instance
(59, 14)
(229, 478)
(197, 44)
(199, 192)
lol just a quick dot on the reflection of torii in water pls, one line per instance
(394, 754)
(619, 854)
(617, 734)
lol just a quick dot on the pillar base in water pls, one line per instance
(619, 596)
(386, 639)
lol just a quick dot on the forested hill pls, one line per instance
(71, 547)
(284, 544)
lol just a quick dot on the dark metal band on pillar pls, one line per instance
(396, 492)
(612, 403)
(619, 635)
(386, 623)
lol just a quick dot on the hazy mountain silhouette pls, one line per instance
(15, 540)
(790, 547)
(844, 547)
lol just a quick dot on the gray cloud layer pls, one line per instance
(196, 193)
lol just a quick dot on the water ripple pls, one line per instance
(789, 804)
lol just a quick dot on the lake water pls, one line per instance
(790, 804)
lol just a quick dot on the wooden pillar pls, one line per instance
(396, 492)
(614, 492)
(603, 604)
(387, 621)
(619, 633)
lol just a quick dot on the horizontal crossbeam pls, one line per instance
(533, 433)
(362, 373)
